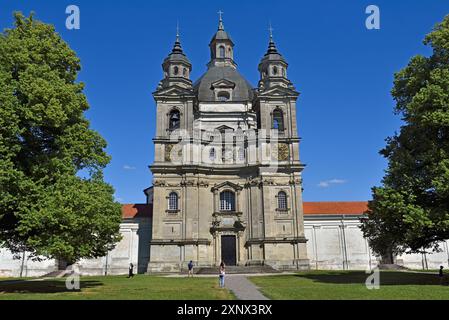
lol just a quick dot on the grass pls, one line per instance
(317, 285)
(116, 287)
(321, 285)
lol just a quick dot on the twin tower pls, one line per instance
(227, 180)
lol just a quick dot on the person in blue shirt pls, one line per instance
(190, 266)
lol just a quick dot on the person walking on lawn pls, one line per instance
(221, 275)
(190, 266)
(131, 271)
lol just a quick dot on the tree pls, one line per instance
(410, 212)
(46, 146)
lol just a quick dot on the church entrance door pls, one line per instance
(228, 250)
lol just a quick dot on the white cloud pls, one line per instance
(128, 167)
(328, 183)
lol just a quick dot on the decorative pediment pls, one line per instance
(278, 91)
(223, 84)
(173, 91)
(226, 184)
(223, 128)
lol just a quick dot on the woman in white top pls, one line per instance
(221, 275)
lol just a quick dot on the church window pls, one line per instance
(278, 120)
(223, 96)
(176, 70)
(212, 154)
(275, 70)
(227, 201)
(174, 120)
(282, 201)
(173, 201)
(221, 52)
(241, 154)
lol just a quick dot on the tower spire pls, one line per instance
(220, 21)
(270, 29)
(177, 46)
(271, 46)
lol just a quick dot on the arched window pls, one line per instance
(174, 120)
(278, 120)
(212, 154)
(227, 201)
(173, 201)
(223, 96)
(241, 154)
(175, 70)
(221, 50)
(275, 70)
(282, 201)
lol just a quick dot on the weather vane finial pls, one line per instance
(270, 28)
(177, 30)
(220, 22)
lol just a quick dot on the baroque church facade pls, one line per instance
(227, 173)
(227, 183)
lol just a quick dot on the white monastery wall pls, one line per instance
(133, 248)
(335, 242)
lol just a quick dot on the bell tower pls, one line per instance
(176, 67)
(281, 208)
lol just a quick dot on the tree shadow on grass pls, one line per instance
(386, 278)
(44, 286)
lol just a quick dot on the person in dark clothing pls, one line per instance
(190, 266)
(441, 274)
(131, 271)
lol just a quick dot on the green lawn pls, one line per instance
(351, 285)
(117, 287)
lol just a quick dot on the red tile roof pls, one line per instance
(354, 207)
(130, 211)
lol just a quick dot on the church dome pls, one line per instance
(242, 90)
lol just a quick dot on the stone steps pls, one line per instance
(238, 270)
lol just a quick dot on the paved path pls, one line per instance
(243, 288)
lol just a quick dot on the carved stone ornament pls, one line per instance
(173, 155)
(283, 152)
(159, 183)
(168, 148)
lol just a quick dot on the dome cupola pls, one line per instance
(221, 46)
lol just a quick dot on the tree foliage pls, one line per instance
(410, 212)
(46, 207)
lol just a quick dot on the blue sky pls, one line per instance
(343, 71)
